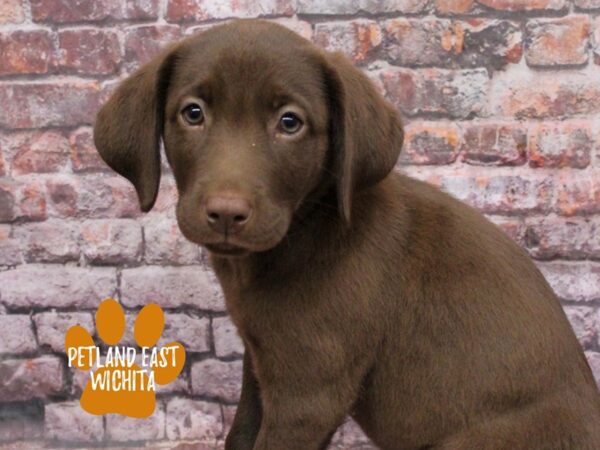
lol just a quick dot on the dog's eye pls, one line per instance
(193, 114)
(290, 123)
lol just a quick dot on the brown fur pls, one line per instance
(356, 290)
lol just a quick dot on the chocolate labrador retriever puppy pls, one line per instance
(356, 290)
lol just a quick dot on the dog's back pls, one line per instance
(477, 347)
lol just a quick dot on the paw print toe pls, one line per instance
(76, 339)
(110, 321)
(149, 325)
(175, 356)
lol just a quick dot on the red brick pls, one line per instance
(8, 206)
(200, 10)
(575, 281)
(68, 422)
(457, 44)
(144, 42)
(67, 11)
(584, 321)
(142, 9)
(500, 193)
(91, 197)
(62, 196)
(167, 198)
(3, 165)
(594, 361)
(11, 11)
(561, 144)
(301, 27)
(577, 193)
(26, 379)
(392, 6)
(359, 39)
(596, 39)
(41, 152)
(21, 200)
(111, 241)
(51, 327)
(524, 5)
(430, 143)
(44, 104)
(319, 7)
(16, 334)
(80, 378)
(109, 86)
(497, 144)
(181, 385)
(193, 419)
(7, 201)
(457, 94)
(374, 75)
(51, 285)
(193, 28)
(557, 42)
(227, 340)
(26, 52)
(23, 424)
(171, 287)
(89, 51)
(35, 152)
(10, 249)
(188, 329)
(512, 226)
(84, 156)
(164, 243)
(228, 416)
(567, 238)
(444, 7)
(543, 94)
(219, 379)
(123, 428)
(49, 241)
(587, 4)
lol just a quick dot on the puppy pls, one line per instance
(356, 290)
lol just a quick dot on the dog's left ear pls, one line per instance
(365, 130)
(129, 126)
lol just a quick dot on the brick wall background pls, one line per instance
(502, 105)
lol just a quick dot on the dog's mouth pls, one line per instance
(226, 249)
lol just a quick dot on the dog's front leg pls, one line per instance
(301, 420)
(246, 423)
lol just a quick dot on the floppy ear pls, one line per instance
(365, 130)
(129, 127)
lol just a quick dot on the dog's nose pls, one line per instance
(227, 215)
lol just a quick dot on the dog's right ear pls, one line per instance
(129, 126)
(366, 133)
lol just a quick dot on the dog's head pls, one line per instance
(255, 120)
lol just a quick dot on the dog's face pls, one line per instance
(256, 123)
(246, 138)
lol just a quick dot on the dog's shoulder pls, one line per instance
(423, 220)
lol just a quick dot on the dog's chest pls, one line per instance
(275, 313)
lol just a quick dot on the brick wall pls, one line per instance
(502, 105)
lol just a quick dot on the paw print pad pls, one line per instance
(124, 383)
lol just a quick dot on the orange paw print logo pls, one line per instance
(124, 381)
